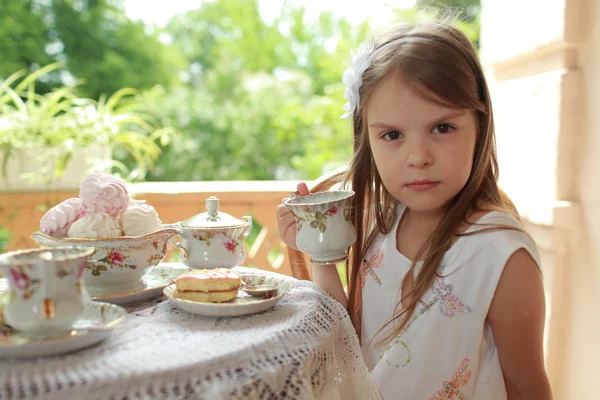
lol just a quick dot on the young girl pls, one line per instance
(445, 289)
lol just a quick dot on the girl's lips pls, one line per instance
(422, 186)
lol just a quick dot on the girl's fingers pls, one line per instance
(282, 211)
(286, 219)
(290, 225)
(302, 189)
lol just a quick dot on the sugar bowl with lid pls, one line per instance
(213, 239)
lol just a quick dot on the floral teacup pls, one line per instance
(324, 227)
(213, 239)
(45, 288)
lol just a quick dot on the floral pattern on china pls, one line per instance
(213, 239)
(44, 293)
(127, 235)
(118, 263)
(324, 224)
(318, 220)
(223, 237)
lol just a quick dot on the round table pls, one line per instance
(304, 348)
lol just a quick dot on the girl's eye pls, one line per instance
(394, 135)
(443, 129)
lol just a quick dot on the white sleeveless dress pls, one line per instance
(448, 350)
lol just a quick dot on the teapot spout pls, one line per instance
(249, 227)
(3, 269)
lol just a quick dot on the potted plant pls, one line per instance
(51, 141)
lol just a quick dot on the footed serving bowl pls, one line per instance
(117, 264)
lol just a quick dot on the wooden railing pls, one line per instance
(20, 213)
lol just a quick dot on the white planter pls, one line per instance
(31, 170)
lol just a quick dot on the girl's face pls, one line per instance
(423, 150)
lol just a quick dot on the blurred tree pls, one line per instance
(467, 12)
(96, 41)
(249, 98)
(263, 100)
(228, 35)
(470, 8)
(4, 238)
(23, 39)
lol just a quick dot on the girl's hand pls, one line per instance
(286, 221)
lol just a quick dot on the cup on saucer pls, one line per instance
(324, 226)
(46, 293)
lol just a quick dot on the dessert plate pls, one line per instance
(242, 304)
(94, 326)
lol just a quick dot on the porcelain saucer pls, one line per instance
(242, 304)
(96, 325)
(154, 282)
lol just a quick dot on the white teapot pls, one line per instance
(213, 239)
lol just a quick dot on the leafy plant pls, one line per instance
(4, 239)
(59, 123)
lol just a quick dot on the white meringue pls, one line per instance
(140, 219)
(96, 226)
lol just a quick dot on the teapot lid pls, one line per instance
(213, 218)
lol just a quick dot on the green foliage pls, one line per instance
(466, 14)
(94, 39)
(467, 9)
(62, 122)
(22, 38)
(247, 98)
(4, 239)
(262, 100)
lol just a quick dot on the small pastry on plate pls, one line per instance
(208, 285)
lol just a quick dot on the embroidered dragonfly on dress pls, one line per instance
(450, 388)
(449, 303)
(368, 267)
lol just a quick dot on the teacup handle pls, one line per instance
(179, 246)
(48, 288)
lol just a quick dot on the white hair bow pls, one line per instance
(352, 77)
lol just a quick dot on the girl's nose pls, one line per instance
(419, 155)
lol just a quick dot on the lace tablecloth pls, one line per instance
(304, 348)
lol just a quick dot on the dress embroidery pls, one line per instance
(449, 304)
(399, 341)
(450, 388)
(444, 351)
(368, 267)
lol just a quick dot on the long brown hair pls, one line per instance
(442, 64)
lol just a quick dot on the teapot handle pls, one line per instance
(249, 227)
(179, 246)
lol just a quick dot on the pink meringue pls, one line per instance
(57, 220)
(104, 193)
